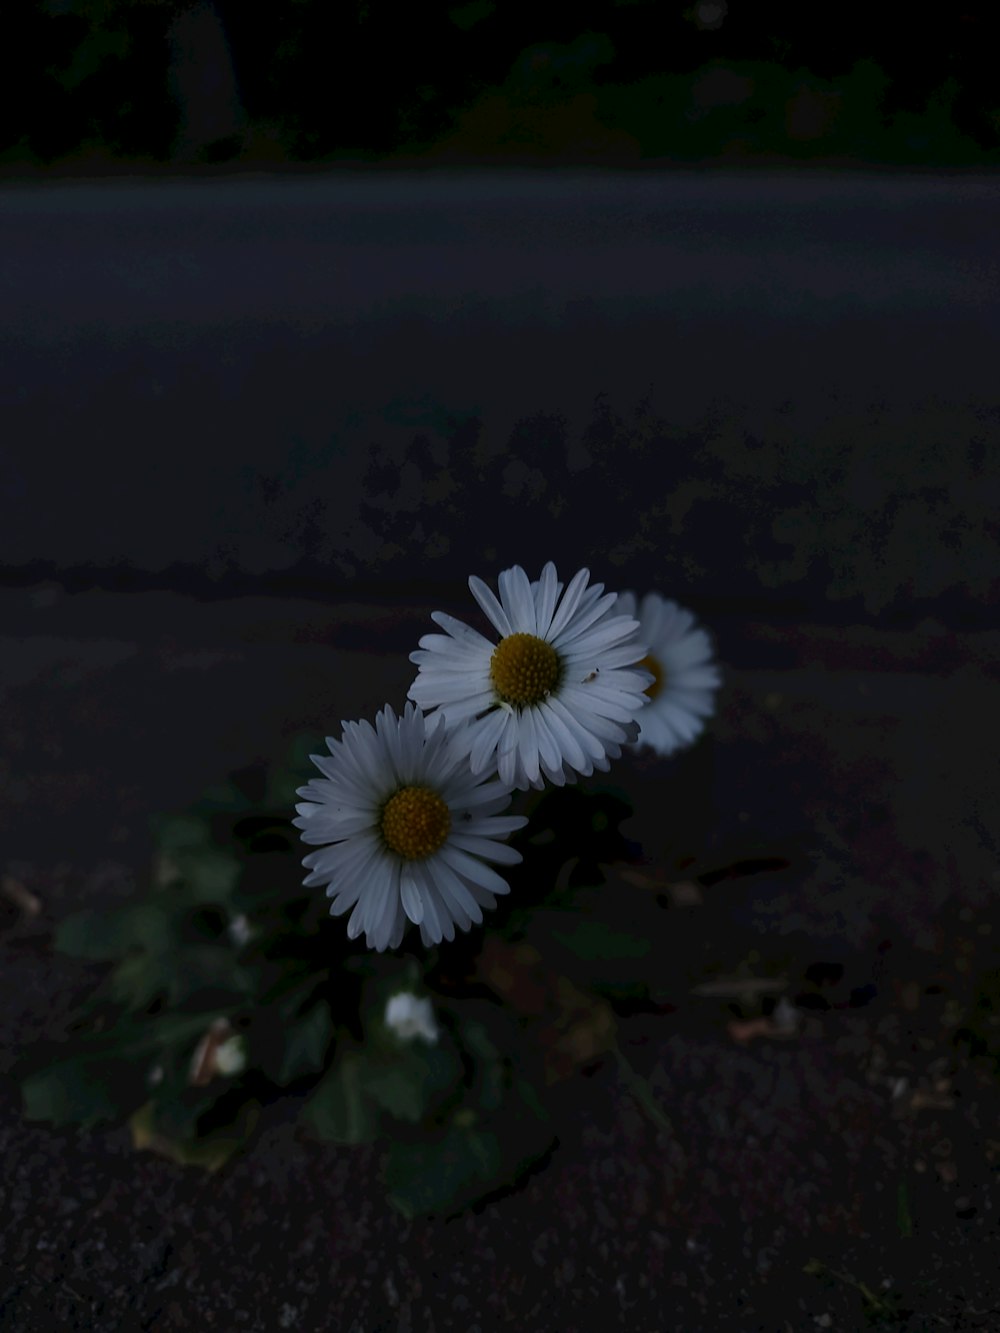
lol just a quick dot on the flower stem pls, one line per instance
(641, 1091)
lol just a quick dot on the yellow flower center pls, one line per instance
(415, 823)
(524, 669)
(654, 668)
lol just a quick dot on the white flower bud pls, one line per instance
(411, 1016)
(230, 1056)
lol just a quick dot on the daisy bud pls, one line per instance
(410, 1016)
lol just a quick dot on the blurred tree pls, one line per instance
(203, 85)
(87, 75)
(210, 80)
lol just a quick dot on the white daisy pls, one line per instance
(684, 675)
(404, 830)
(554, 696)
(410, 1016)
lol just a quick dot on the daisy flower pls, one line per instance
(404, 830)
(684, 675)
(555, 696)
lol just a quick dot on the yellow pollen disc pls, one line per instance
(524, 669)
(415, 822)
(651, 665)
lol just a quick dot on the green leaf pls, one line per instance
(398, 1088)
(175, 1107)
(210, 875)
(461, 1164)
(307, 1043)
(474, 1155)
(210, 1151)
(407, 1081)
(300, 748)
(478, 1042)
(260, 834)
(528, 1095)
(295, 770)
(337, 1110)
(490, 1067)
(223, 798)
(593, 941)
(140, 979)
(82, 1091)
(96, 48)
(181, 833)
(113, 933)
(208, 972)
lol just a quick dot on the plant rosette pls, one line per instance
(229, 984)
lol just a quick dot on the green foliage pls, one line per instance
(482, 1147)
(209, 1150)
(284, 780)
(594, 942)
(489, 82)
(408, 1082)
(459, 1123)
(178, 966)
(611, 961)
(467, 16)
(151, 939)
(108, 1075)
(227, 949)
(105, 935)
(490, 1071)
(383, 1078)
(338, 1110)
(86, 1090)
(426, 1177)
(307, 1042)
(877, 1309)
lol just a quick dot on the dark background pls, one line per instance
(253, 430)
(776, 389)
(96, 85)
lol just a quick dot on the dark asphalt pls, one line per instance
(777, 385)
(253, 432)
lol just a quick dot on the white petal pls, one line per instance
(584, 740)
(515, 594)
(568, 604)
(485, 848)
(472, 706)
(472, 870)
(490, 605)
(569, 748)
(545, 600)
(466, 637)
(548, 749)
(494, 826)
(457, 897)
(398, 927)
(583, 621)
(507, 751)
(434, 922)
(485, 735)
(583, 700)
(528, 743)
(384, 918)
(409, 893)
